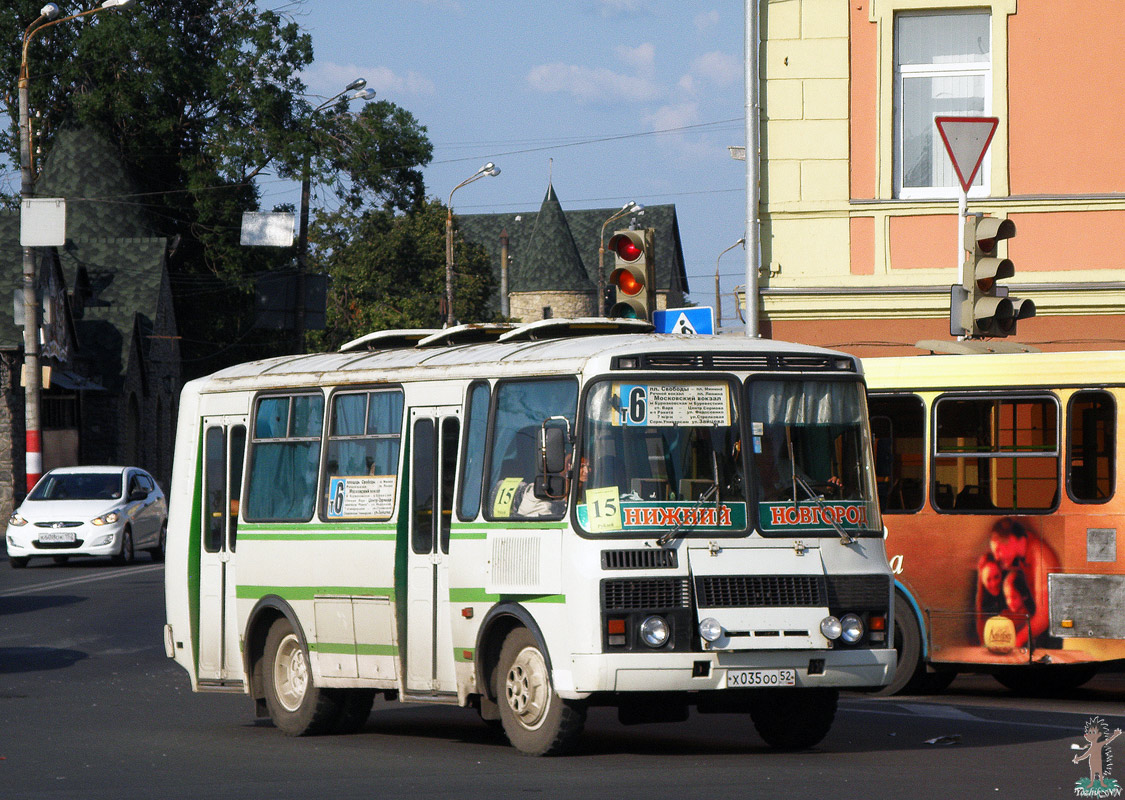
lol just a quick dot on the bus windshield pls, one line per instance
(810, 452)
(661, 455)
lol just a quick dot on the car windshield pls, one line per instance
(661, 455)
(78, 486)
(810, 451)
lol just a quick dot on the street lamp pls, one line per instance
(489, 170)
(33, 383)
(718, 296)
(631, 206)
(361, 93)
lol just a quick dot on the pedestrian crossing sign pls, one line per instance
(695, 321)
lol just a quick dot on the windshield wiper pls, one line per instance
(679, 529)
(845, 537)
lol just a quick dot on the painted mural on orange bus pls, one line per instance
(997, 478)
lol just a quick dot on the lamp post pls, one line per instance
(306, 190)
(489, 170)
(632, 205)
(718, 295)
(33, 383)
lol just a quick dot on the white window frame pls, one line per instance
(982, 183)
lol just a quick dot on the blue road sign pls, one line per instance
(690, 321)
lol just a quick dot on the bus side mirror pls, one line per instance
(550, 482)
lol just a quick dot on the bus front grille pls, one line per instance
(759, 591)
(645, 593)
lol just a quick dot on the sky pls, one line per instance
(607, 100)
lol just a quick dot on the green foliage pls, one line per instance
(388, 271)
(199, 95)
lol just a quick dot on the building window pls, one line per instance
(943, 67)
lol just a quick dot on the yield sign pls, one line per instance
(966, 140)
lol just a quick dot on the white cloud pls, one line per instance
(591, 84)
(610, 8)
(328, 78)
(721, 69)
(641, 58)
(706, 20)
(672, 117)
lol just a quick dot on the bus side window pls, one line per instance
(1092, 418)
(472, 464)
(284, 458)
(897, 434)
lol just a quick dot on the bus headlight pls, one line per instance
(851, 628)
(655, 631)
(710, 630)
(831, 628)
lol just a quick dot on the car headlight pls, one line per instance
(710, 630)
(107, 518)
(655, 631)
(17, 520)
(831, 628)
(852, 628)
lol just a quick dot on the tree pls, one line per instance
(388, 271)
(198, 95)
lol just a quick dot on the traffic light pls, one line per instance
(633, 278)
(986, 308)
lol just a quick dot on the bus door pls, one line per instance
(434, 433)
(224, 447)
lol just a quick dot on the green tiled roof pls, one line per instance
(548, 247)
(109, 239)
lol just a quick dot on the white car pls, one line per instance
(89, 511)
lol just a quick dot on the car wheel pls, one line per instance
(18, 562)
(157, 552)
(126, 555)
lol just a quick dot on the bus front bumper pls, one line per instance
(694, 672)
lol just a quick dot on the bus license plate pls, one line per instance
(57, 537)
(746, 678)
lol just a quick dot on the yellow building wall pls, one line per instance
(830, 222)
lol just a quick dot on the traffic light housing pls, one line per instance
(986, 308)
(633, 280)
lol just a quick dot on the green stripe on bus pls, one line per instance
(513, 525)
(302, 536)
(342, 649)
(247, 592)
(476, 595)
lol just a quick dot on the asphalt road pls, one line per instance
(91, 708)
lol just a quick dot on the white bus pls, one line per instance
(532, 520)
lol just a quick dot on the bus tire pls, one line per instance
(1035, 680)
(536, 720)
(793, 719)
(296, 705)
(910, 669)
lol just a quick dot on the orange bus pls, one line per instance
(997, 477)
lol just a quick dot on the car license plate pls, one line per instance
(746, 678)
(57, 537)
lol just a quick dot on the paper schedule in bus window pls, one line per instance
(361, 497)
(666, 404)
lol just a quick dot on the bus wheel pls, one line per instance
(910, 671)
(537, 721)
(295, 703)
(1045, 680)
(793, 719)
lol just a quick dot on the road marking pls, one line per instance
(64, 582)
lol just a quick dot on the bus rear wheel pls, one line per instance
(793, 719)
(296, 705)
(537, 721)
